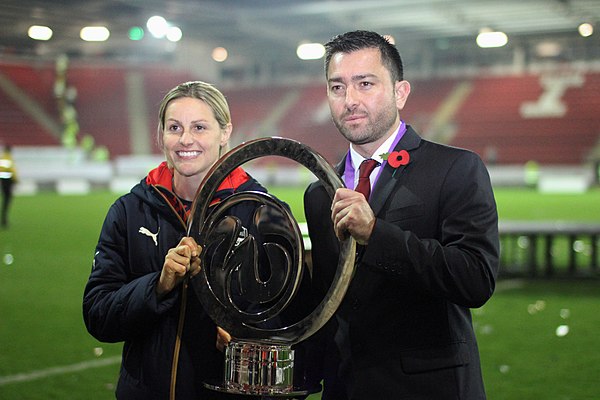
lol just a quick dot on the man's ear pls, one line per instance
(401, 90)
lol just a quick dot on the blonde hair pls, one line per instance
(201, 91)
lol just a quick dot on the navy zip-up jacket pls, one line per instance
(120, 303)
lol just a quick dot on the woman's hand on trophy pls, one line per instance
(179, 261)
(223, 338)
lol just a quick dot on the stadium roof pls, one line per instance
(262, 35)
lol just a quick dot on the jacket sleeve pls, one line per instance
(460, 261)
(119, 299)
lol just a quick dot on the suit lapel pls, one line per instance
(340, 168)
(390, 176)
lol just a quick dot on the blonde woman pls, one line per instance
(135, 293)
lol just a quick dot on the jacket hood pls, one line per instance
(157, 189)
(163, 176)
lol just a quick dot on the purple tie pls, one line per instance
(364, 171)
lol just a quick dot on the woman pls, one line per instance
(135, 292)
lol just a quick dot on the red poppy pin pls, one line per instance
(396, 158)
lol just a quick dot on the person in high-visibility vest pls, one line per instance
(8, 178)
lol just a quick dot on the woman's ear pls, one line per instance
(226, 134)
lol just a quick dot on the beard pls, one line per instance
(376, 127)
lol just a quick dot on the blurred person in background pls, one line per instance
(8, 179)
(427, 233)
(136, 292)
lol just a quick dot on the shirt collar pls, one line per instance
(353, 159)
(386, 147)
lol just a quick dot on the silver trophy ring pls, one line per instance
(230, 246)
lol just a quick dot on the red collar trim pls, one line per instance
(163, 176)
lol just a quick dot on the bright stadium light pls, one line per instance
(94, 33)
(586, 29)
(488, 38)
(158, 26)
(174, 34)
(136, 33)
(39, 32)
(310, 51)
(219, 54)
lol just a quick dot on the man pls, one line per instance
(8, 178)
(427, 241)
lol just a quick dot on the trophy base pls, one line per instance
(258, 369)
(224, 389)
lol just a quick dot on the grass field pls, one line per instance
(46, 353)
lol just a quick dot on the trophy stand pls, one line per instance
(232, 285)
(255, 368)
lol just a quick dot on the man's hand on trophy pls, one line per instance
(223, 338)
(179, 261)
(352, 215)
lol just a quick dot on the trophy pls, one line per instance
(251, 272)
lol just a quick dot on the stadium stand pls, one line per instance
(37, 80)
(28, 110)
(549, 117)
(563, 130)
(255, 110)
(308, 121)
(425, 98)
(101, 105)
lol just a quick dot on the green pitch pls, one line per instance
(537, 338)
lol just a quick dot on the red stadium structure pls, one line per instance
(507, 119)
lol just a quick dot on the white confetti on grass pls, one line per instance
(565, 313)
(562, 330)
(8, 259)
(539, 305)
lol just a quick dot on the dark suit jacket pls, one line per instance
(403, 330)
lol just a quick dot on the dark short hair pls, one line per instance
(358, 40)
